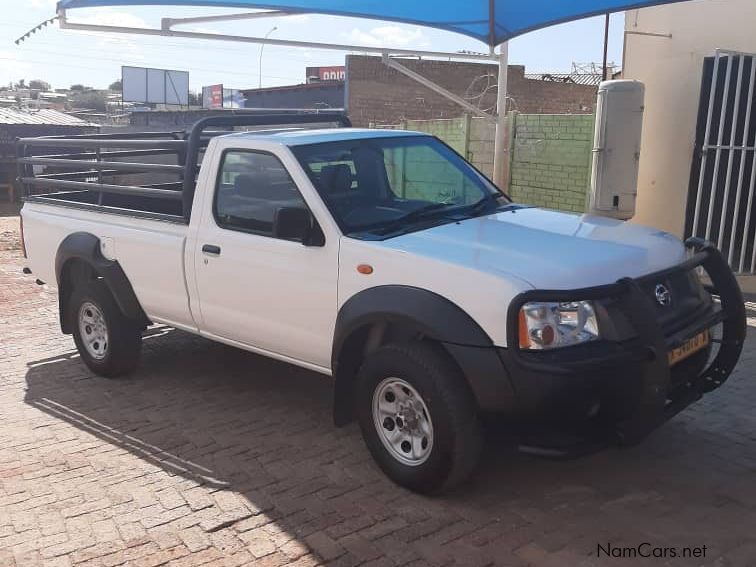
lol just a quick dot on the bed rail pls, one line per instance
(68, 165)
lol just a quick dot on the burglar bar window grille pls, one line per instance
(721, 204)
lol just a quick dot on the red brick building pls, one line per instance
(380, 95)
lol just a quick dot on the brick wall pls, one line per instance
(551, 154)
(551, 160)
(379, 95)
(470, 137)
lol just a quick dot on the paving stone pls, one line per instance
(210, 455)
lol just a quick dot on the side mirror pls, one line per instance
(297, 223)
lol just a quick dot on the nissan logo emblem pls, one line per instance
(663, 297)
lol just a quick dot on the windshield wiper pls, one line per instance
(415, 214)
(481, 205)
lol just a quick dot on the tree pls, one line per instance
(39, 84)
(21, 84)
(93, 100)
(80, 88)
(194, 99)
(116, 86)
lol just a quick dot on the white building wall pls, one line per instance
(671, 69)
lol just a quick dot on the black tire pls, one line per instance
(124, 337)
(457, 435)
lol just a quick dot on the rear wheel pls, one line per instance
(108, 342)
(418, 418)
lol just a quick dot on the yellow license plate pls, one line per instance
(700, 341)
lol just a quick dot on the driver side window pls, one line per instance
(252, 188)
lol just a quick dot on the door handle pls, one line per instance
(211, 249)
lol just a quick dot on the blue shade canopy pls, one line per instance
(489, 21)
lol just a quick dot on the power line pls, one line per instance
(78, 53)
(190, 68)
(166, 43)
(209, 51)
(90, 68)
(37, 50)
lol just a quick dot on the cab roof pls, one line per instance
(302, 136)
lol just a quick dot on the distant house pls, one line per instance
(21, 123)
(53, 100)
(326, 94)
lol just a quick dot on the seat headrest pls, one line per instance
(336, 178)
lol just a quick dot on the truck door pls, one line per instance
(266, 292)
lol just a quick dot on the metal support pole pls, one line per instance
(167, 23)
(501, 139)
(605, 69)
(67, 25)
(393, 64)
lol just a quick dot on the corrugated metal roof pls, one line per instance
(589, 79)
(44, 116)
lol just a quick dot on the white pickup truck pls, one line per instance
(386, 260)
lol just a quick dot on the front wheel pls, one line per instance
(107, 341)
(418, 418)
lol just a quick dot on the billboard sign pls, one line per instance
(215, 96)
(154, 86)
(233, 98)
(212, 96)
(333, 73)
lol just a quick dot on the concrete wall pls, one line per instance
(480, 145)
(551, 162)
(379, 95)
(671, 69)
(551, 154)
(168, 119)
(8, 135)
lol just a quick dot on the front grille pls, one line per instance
(688, 300)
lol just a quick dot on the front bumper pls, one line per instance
(627, 387)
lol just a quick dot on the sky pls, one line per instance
(64, 57)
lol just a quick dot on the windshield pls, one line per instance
(396, 184)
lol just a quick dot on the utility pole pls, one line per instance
(262, 46)
(605, 73)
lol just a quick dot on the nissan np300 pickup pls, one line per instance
(384, 259)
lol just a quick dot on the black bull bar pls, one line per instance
(650, 350)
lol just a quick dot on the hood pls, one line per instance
(547, 249)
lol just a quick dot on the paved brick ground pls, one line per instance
(209, 455)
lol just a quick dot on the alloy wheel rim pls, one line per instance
(93, 330)
(402, 421)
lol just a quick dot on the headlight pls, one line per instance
(555, 325)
